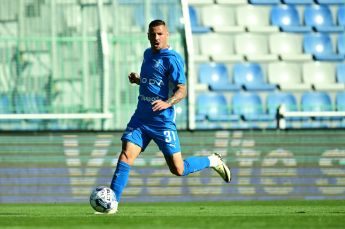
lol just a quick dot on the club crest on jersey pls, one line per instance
(157, 63)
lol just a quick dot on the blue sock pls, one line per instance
(120, 179)
(194, 164)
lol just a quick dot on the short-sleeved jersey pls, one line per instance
(159, 75)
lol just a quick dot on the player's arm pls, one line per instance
(134, 78)
(180, 93)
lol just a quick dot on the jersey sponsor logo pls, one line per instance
(157, 63)
(148, 98)
(144, 80)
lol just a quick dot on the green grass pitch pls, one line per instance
(239, 214)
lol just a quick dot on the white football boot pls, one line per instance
(217, 163)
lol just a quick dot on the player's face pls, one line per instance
(158, 37)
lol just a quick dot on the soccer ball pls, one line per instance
(102, 199)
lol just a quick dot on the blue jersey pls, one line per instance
(159, 75)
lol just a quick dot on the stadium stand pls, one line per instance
(291, 46)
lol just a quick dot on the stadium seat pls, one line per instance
(316, 101)
(254, 18)
(220, 18)
(253, 47)
(329, 2)
(341, 15)
(29, 103)
(341, 44)
(288, 46)
(5, 104)
(287, 18)
(195, 23)
(287, 76)
(321, 47)
(251, 77)
(298, 2)
(276, 99)
(217, 47)
(216, 77)
(322, 75)
(249, 106)
(320, 18)
(213, 107)
(340, 73)
(264, 2)
(340, 101)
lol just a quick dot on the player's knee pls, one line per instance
(178, 171)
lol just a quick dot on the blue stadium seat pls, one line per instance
(341, 44)
(287, 18)
(195, 24)
(5, 104)
(341, 15)
(329, 2)
(264, 2)
(340, 73)
(276, 99)
(320, 18)
(298, 2)
(251, 77)
(340, 101)
(249, 106)
(213, 107)
(321, 47)
(316, 101)
(216, 76)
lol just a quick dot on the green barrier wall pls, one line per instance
(64, 167)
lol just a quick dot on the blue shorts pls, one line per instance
(164, 136)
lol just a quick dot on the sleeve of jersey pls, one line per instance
(177, 70)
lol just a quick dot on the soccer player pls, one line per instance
(162, 84)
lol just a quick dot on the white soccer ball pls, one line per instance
(102, 199)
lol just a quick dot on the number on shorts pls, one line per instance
(169, 136)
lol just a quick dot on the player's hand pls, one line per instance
(160, 105)
(134, 78)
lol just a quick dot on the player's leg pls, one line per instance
(169, 144)
(128, 154)
(181, 167)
